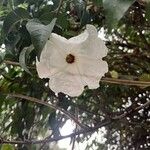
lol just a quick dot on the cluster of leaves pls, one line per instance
(26, 26)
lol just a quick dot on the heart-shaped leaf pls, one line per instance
(114, 11)
(22, 58)
(40, 33)
(17, 15)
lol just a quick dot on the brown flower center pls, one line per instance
(70, 59)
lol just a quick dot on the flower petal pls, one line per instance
(79, 39)
(67, 83)
(94, 46)
(42, 69)
(59, 41)
(92, 70)
(88, 43)
(88, 68)
(53, 56)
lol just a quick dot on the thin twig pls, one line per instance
(9, 62)
(105, 123)
(59, 7)
(126, 82)
(143, 38)
(132, 111)
(74, 138)
(35, 100)
(56, 138)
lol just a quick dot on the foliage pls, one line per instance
(25, 27)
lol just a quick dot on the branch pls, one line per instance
(35, 100)
(56, 138)
(104, 79)
(9, 62)
(59, 7)
(76, 128)
(132, 111)
(143, 38)
(126, 82)
(104, 123)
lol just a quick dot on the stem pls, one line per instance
(59, 7)
(104, 79)
(9, 62)
(105, 123)
(126, 82)
(35, 100)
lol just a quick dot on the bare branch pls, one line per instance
(9, 62)
(104, 79)
(126, 82)
(85, 131)
(35, 100)
(56, 11)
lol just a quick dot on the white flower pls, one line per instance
(73, 63)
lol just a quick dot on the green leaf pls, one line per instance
(22, 58)
(39, 33)
(7, 147)
(147, 15)
(98, 2)
(18, 15)
(62, 21)
(2, 55)
(115, 10)
(1, 24)
(145, 77)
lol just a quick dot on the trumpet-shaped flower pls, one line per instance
(71, 64)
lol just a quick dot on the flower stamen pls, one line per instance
(70, 59)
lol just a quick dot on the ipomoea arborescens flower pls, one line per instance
(73, 63)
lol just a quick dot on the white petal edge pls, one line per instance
(53, 58)
(42, 69)
(91, 71)
(88, 43)
(89, 31)
(66, 83)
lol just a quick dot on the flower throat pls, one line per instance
(70, 59)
